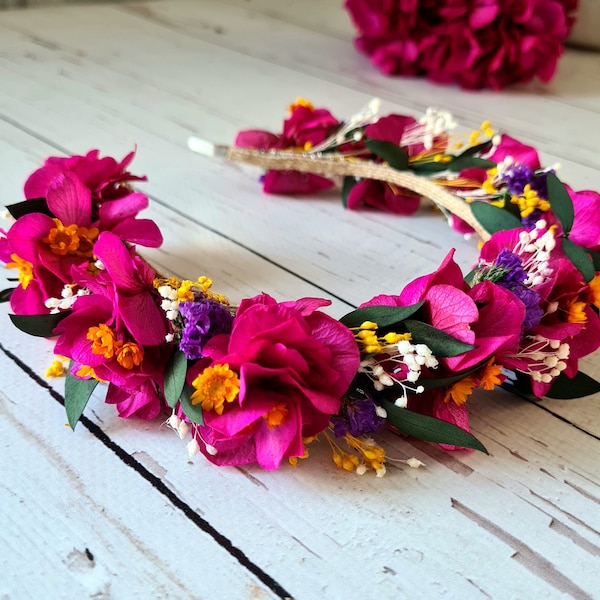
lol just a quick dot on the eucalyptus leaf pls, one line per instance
(595, 256)
(560, 202)
(6, 294)
(468, 162)
(478, 148)
(439, 342)
(430, 429)
(175, 377)
(384, 316)
(428, 167)
(35, 205)
(395, 156)
(493, 218)
(192, 411)
(347, 185)
(38, 325)
(77, 395)
(568, 388)
(580, 258)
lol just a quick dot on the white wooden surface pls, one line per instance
(116, 510)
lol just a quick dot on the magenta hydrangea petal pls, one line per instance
(116, 210)
(39, 181)
(144, 232)
(140, 315)
(70, 200)
(255, 138)
(294, 182)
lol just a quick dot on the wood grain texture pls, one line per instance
(523, 522)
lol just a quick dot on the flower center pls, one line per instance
(215, 386)
(276, 416)
(72, 239)
(25, 269)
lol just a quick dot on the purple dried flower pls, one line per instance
(517, 177)
(514, 265)
(203, 319)
(358, 416)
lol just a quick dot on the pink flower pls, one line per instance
(53, 246)
(486, 43)
(306, 127)
(105, 178)
(519, 152)
(377, 194)
(99, 343)
(128, 281)
(293, 362)
(586, 225)
(568, 328)
(471, 315)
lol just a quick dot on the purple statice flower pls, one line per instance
(517, 177)
(530, 221)
(202, 319)
(358, 416)
(531, 299)
(514, 265)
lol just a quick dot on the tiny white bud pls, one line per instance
(182, 429)
(415, 463)
(193, 448)
(169, 337)
(361, 469)
(401, 402)
(381, 412)
(211, 449)
(173, 421)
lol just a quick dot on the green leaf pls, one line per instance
(428, 167)
(471, 150)
(77, 395)
(468, 162)
(595, 256)
(347, 185)
(38, 325)
(35, 205)
(5, 294)
(493, 218)
(430, 429)
(175, 377)
(384, 316)
(566, 388)
(395, 156)
(560, 202)
(438, 341)
(192, 411)
(580, 258)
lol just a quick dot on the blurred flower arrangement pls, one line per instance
(258, 382)
(483, 44)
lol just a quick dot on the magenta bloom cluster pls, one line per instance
(475, 44)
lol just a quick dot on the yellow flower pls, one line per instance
(129, 355)
(490, 377)
(56, 369)
(25, 270)
(103, 340)
(215, 386)
(461, 390)
(300, 102)
(71, 239)
(594, 291)
(576, 310)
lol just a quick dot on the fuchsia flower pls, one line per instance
(488, 43)
(306, 127)
(486, 316)
(568, 328)
(105, 178)
(97, 340)
(50, 247)
(280, 375)
(377, 193)
(117, 334)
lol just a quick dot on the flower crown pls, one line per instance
(256, 382)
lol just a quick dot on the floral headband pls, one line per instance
(257, 382)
